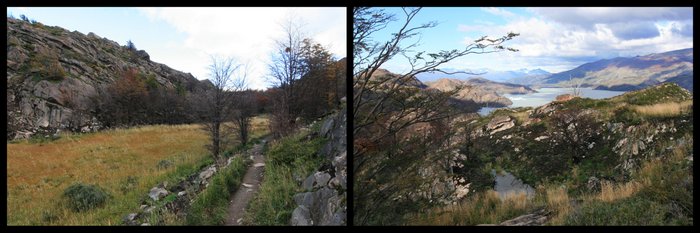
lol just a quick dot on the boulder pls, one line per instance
(301, 217)
(564, 97)
(206, 174)
(593, 184)
(157, 193)
(537, 218)
(321, 178)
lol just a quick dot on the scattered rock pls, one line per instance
(593, 184)
(157, 193)
(205, 175)
(182, 193)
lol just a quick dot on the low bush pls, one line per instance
(631, 211)
(82, 197)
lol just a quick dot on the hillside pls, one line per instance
(631, 73)
(628, 156)
(55, 75)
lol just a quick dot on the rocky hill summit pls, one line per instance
(54, 76)
(480, 91)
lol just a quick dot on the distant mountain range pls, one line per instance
(630, 73)
(619, 74)
(493, 75)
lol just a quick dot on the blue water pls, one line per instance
(546, 95)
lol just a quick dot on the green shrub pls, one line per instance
(82, 197)
(164, 164)
(630, 211)
(129, 184)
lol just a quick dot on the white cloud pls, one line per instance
(246, 33)
(569, 35)
(498, 12)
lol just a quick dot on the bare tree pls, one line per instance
(286, 68)
(244, 109)
(576, 86)
(215, 102)
(385, 106)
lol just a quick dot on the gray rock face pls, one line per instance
(323, 203)
(157, 193)
(500, 123)
(301, 217)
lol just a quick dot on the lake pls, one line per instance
(509, 185)
(546, 95)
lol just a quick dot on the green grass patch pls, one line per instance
(291, 157)
(210, 207)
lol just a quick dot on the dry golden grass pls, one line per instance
(665, 109)
(483, 208)
(558, 201)
(37, 174)
(610, 192)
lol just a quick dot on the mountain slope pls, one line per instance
(631, 73)
(54, 76)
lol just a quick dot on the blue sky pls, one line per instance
(183, 38)
(554, 39)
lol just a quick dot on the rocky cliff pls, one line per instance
(324, 202)
(54, 76)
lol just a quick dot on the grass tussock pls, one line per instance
(610, 192)
(668, 109)
(286, 159)
(559, 203)
(481, 208)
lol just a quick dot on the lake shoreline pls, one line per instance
(546, 95)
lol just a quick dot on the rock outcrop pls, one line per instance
(471, 92)
(500, 123)
(324, 202)
(53, 76)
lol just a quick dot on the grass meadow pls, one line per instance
(124, 162)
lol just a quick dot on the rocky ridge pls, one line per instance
(54, 75)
